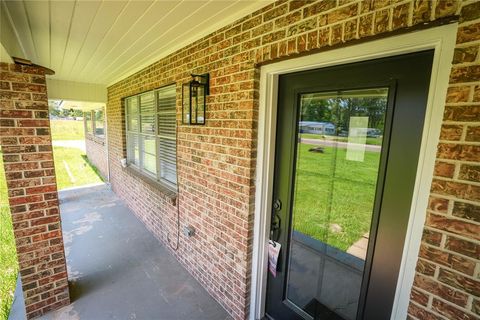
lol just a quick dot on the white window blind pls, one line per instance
(151, 134)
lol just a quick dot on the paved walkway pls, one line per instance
(339, 144)
(119, 270)
(79, 144)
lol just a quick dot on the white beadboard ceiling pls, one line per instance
(104, 41)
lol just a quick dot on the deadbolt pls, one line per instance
(277, 205)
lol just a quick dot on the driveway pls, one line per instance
(79, 144)
(338, 144)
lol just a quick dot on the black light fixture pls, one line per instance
(194, 99)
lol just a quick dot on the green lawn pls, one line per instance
(374, 141)
(73, 168)
(67, 130)
(316, 207)
(8, 256)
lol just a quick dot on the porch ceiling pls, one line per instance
(104, 41)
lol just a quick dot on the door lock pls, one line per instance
(277, 205)
(276, 220)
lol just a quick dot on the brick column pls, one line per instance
(32, 189)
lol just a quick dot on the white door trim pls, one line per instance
(442, 40)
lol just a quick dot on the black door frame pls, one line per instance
(296, 84)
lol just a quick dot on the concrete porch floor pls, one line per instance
(117, 269)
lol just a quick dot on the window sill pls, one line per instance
(95, 139)
(167, 192)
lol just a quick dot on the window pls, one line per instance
(99, 123)
(95, 123)
(88, 122)
(151, 137)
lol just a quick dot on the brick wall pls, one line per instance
(32, 189)
(97, 153)
(216, 162)
(447, 282)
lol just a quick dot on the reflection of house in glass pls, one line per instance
(316, 127)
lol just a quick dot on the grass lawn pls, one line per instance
(73, 168)
(350, 204)
(67, 130)
(374, 141)
(8, 256)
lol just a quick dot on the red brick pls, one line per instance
(275, 12)
(318, 7)
(466, 211)
(473, 133)
(468, 33)
(288, 19)
(17, 77)
(26, 146)
(458, 94)
(37, 156)
(441, 257)
(33, 123)
(420, 313)
(31, 105)
(24, 200)
(15, 114)
(462, 113)
(46, 236)
(27, 87)
(470, 12)
(419, 297)
(39, 97)
(41, 189)
(465, 54)
(464, 247)
(217, 170)
(9, 95)
(458, 152)
(36, 140)
(450, 311)
(458, 281)
(465, 74)
(366, 25)
(425, 267)
(460, 190)
(421, 11)
(432, 237)
(469, 172)
(446, 8)
(444, 169)
(20, 166)
(430, 285)
(455, 226)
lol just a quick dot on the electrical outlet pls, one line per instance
(189, 231)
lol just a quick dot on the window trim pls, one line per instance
(86, 121)
(93, 121)
(138, 169)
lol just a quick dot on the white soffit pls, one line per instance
(103, 41)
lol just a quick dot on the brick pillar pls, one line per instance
(32, 189)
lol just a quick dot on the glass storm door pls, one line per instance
(347, 147)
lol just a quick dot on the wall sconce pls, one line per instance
(194, 99)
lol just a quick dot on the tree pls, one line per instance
(315, 109)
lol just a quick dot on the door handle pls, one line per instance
(276, 224)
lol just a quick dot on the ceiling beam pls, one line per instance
(76, 91)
